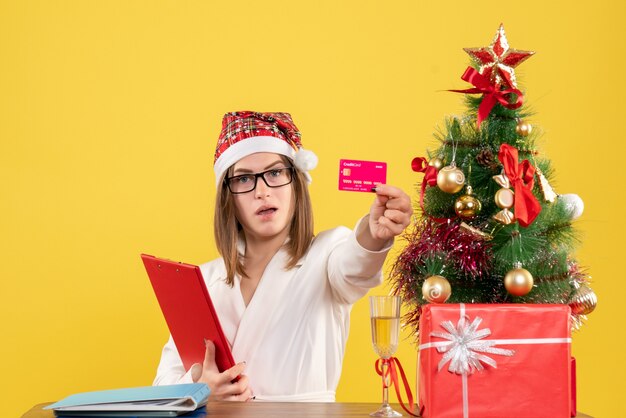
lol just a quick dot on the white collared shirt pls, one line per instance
(293, 333)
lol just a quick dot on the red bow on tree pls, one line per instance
(522, 175)
(491, 94)
(420, 165)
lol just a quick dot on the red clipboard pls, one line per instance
(188, 311)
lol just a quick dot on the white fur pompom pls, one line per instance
(574, 204)
(305, 160)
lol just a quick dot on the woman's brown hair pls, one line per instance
(226, 227)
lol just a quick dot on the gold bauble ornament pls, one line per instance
(436, 289)
(436, 162)
(518, 281)
(450, 178)
(467, 206)
(504, 198)
(583, 301)
(523, 128)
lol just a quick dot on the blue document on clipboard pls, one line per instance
(147, 401)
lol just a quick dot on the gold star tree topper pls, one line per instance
(498, 60)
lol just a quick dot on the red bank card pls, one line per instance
(361, 176)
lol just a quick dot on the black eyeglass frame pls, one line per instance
(256, 178)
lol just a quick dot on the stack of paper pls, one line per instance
(149, 401)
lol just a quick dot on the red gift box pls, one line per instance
(506, 361)
(573, 387)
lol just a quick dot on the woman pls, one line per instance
(282, 295)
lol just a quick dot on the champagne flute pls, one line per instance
(385, 317)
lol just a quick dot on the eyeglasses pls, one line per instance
(276, 177)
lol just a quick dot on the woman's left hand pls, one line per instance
(389, 214)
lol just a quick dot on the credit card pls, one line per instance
(361, 176)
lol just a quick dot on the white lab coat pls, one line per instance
(293, 332)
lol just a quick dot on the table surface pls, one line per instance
(270, 409)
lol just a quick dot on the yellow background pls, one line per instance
(109, 112)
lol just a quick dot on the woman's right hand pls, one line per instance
(222, 385)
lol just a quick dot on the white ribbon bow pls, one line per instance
(465, 345)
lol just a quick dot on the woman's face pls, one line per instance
(265, 212)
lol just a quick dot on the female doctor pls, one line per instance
(283, 295)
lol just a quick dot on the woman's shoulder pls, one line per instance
(332, 235)
(213, 271)
(342, 232)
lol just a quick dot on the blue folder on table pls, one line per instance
(147, 401)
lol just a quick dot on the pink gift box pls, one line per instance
(507, 360)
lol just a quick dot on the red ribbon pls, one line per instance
(420, 165)
(522, 177)
(392, 372)
(491, 93)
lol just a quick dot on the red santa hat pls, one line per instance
(244, 133)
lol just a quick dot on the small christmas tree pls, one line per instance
(492, 229)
